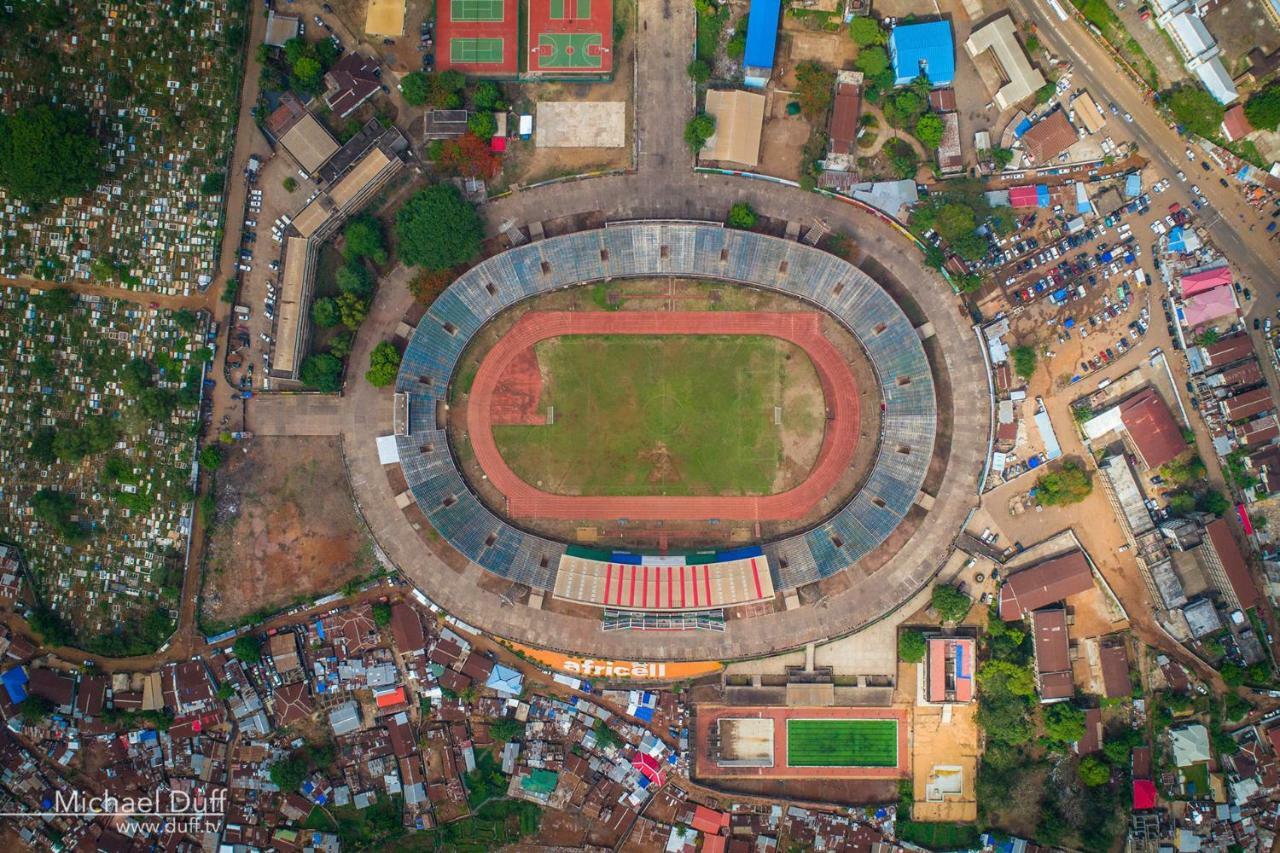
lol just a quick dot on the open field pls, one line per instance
(285, 529)
(675, 415)
(842, 743)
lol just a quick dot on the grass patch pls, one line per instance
(939, 836)
(641, 415)
(711, 23)
(842, 743)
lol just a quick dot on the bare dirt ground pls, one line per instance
(286, 528)
(941, 742)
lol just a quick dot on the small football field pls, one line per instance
(842, 743)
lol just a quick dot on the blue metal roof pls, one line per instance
(762, 33)
(15, 683)
(923, 49)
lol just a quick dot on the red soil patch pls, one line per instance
(804, 329)
(516, 396)
(707, 716)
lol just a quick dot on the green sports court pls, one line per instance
(475, 50)
(570, 37)
(477, 10)
(842, 743)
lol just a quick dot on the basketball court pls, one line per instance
(479, 37)
(569, 36)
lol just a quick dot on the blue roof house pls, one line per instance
(505, 680)
(762, 42)
(926, 49)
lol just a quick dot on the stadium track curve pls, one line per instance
(804, 329)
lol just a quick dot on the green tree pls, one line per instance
(698, 130)
(1063, 722)
(1184, 470)
(288, 774)
(1263, 107)
(1068, 485)
(290, 183)
(414, 88)
(213, 183)
(1093, 772)
(483, 125)
(34, 710)
(1032, 43)
(1045, 93)
(742, 216)
(384, 363)
(324, 312)
(488, 96)
(1006, 677)
(47, 154)
(211, 458)
(911, 646)
(438, 228)
(505, 729)
(381, 613)
(1024, 361)
(1195, 109)
(902, 157)
(872, 61)
(1232, 674)
(363, 239)
(929, 130)
(323, 372)
(351, 309)
(866, 32)
(248, 649)
(951, 604)
(307, 71)
(699, 71)
(1212, 501)
(353, 277)
(1182, 503)
(56, 510)
(815, 89)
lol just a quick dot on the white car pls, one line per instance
(1195, 190)
(1182, 176)
(1191, 155)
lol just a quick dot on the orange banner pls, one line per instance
(587, 667)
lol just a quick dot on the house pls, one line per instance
(1220, 554)
(406, 629)
(59, 690)
(1049, 137)
(1229, 349)
(762, 42)
(308, 142)
(1190, 744)
(283, 648)
(1247, 405)
(739, 119)
(345, 718)
(1209, 305)
(1202, 617)
(843, 128)
(292, 703)
(505, 681)
(950, 155)
(1044, 584)
(923, 49)
(1151, 428)
(1235, 125)
(999, 41)
(1052, 655)
(351, 81)
(1113, 658)
(950, 662)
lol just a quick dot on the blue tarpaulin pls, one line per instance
(1069, 323)
(1042, 195)
(1132, 185)
(1033, 462)
(1023, 127)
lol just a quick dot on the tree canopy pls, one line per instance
(815, 89)
(1024, 361)
(929, 130)
(1068, 485)
(698, 130)
(47, 154)
(1063, 722)
(1093, 772)
(438, 228)
(324, 312)
(911, 646)
(1263, 107)
(866, 31)
(322, 372)
(363, 236)
(247, 649)
(952, 604)
(1195, 109)
(384, 363)
(443, 90)
(872, 61)
(741, 215)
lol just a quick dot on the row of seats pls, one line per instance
(699, 250)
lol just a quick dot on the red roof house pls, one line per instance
(1043, 584)
(1151, 427)
(1144, 794)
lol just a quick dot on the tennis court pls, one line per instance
(577, 10)
(842, 743)
(476, 10)
(570, 50)
(480, 50)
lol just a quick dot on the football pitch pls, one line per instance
(666, 415)
(842, 743)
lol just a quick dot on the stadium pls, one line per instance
(675, 440)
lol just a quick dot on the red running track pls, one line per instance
(804, 329)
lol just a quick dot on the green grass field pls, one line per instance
(842, 743)
(639, 415)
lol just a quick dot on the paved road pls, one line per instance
(1252, 254)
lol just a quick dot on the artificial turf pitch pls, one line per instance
(620, 400)
(842, 743)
